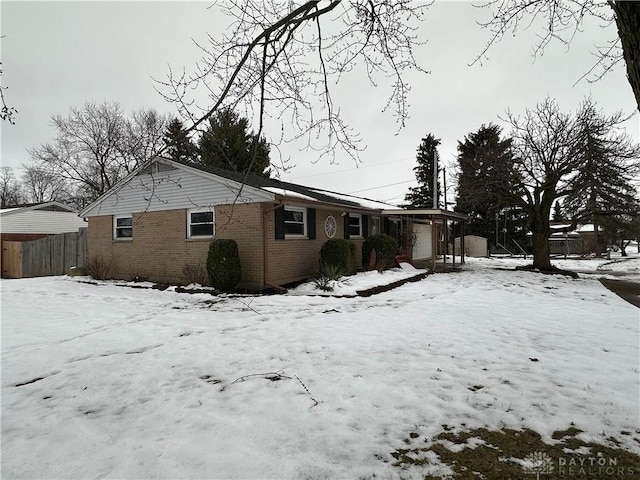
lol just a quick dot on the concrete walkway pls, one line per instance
(629, 291)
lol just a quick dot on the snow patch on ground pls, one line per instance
(112, 382)
(351, 285)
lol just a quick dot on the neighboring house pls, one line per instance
(163, 216)
(567, 243)
(34, 221)
(26, 223)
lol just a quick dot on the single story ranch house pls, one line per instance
(163, 216)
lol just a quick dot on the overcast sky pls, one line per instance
(58, 55)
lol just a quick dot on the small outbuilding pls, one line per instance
(474, 246)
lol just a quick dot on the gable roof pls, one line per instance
(266, 188)
(46, 206)
(284, 189)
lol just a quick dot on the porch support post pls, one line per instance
(434, 242)
(453, 231)
(462, 235)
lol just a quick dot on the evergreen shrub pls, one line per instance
(385, 247)
(223, 264)
(339, 254)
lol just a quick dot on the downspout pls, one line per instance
(265, 257)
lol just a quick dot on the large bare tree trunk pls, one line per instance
(541, 251)
(628, 21)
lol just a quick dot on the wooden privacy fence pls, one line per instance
(52, 255)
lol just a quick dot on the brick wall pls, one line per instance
(159, 248)
(294, 259)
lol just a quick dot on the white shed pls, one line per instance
(474, 246)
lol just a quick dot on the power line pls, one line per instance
(354, 168)
(381, 186)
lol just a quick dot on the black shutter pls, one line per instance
(311, 223)
(365, 226)
(346, 226)
(279, 223)
(386, 226)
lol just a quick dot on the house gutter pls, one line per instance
(265, 257)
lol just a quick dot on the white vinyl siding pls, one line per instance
(182, 188)
(200, 223)
(34, 221)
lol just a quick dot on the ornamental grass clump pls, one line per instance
(327, 277)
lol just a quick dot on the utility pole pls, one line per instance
(435, 179)
(446, 223)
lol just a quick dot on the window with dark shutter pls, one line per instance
(292, 222)
(355, 225)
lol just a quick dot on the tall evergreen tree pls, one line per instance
(485, 164)
(558, 214)
(227, 143)
(422, 195)
(603, 187)
(178, 144)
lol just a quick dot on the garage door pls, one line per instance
(422, 241)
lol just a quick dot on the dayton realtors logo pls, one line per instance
(538, 463)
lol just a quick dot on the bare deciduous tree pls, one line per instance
(96, 146)
(563, 19)
(281, 59)
(544, 146)
(142, 138)
(6, 112)
(10, 189)
(553, 157)
(41, 185)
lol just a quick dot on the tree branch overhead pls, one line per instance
(282, 61)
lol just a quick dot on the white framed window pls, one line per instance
(355, 225)
(376, 225)
(295, 221)
(200, 222)
(123, 227)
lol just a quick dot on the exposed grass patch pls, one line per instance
(519, 454)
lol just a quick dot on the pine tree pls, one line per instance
(603, 187)
(179, 145)
(227, 143)
(558, 216)
(422, 195)
(485, 163)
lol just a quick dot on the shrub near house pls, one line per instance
(223, 264)
(385, 248)
(338, 254)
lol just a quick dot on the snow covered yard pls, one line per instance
(102, 381)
